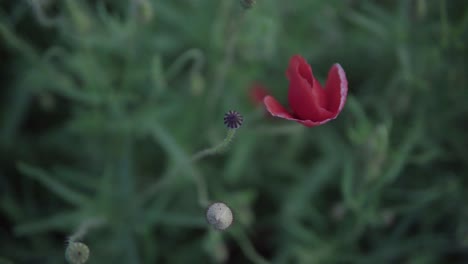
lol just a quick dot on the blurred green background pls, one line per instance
(104, 102)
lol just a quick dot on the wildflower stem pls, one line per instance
(84, 227)
(198, 179)
(222, 70)
(233, 120)
(248, 249)
(41, 16)
(216, 149)
(202, 190)
(184, 163)
(195, 55)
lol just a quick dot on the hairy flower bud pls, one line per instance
(219, 215)
(77, 253)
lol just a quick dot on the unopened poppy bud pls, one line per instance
(77, 253)
(233, 120)
(247, 4)
(219, 215)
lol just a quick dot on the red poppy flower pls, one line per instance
(311, 105)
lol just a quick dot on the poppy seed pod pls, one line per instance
(233, 120)
(77, 253)
(219, 215)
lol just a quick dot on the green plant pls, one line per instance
(104, 102)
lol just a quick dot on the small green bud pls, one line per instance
(77, 253)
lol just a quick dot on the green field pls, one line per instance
(106, 105)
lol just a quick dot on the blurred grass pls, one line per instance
(104, 102)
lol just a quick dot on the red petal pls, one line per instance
(336, 89)
(306, 97)
(299, 64)
(276, 109)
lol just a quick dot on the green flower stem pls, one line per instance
(195, 55)
(84, 228)
(200, 182)
(216, 149)
(247, 248)
(41, 16)
(201, 189)
(183, 162)
(233, 27)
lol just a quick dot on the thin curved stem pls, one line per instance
(192, 54)
(41, 16)
(248, 249)
(216, 149)
(84, 228)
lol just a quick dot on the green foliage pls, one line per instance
(104, 104)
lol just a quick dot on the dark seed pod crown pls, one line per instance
(233, 120)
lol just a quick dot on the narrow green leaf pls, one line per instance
(60, 221)
(52, 184)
